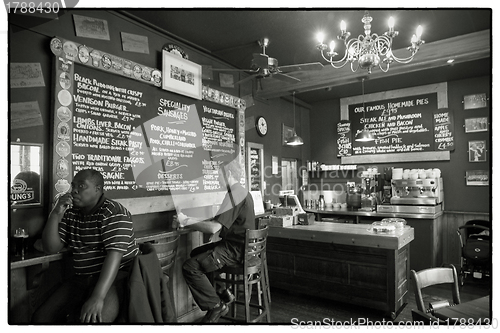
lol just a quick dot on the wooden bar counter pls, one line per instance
(343, 262)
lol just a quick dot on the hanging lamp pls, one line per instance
(295, 140)
(365, 135)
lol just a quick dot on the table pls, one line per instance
(477, 311)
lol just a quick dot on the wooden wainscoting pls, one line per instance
(451, 240)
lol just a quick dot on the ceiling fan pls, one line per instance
(263, 66)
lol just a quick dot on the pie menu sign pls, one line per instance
(400, 125)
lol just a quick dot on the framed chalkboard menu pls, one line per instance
(255, 164)
(113, 116)
(408, 124)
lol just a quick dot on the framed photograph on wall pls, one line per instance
(477, 151)
(479, 124)
(477, 178)
(475, 101)
(287, 133)
(181, 76)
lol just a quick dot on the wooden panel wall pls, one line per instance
(451, 241)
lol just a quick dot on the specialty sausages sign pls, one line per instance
(400, 125)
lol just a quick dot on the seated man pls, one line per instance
(234, 217)
(100, 234)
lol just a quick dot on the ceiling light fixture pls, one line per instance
(365, 135)
(366, 51)
(295, 140)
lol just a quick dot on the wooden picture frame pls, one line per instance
(181, 76)
(477, 151)
(475, 101)
(286, 133)
(477, 124)
(477, 178)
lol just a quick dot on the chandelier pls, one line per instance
(366, 51)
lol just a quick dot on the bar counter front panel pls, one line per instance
(427, 248)
(343, 262)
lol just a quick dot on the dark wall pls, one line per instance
(458, 196)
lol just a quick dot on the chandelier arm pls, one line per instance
(386, 69)
(403, 60)
(384, 44)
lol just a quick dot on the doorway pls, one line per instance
(289, 175)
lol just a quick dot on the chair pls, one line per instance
(434, 276)
(252, 271)
(422, 318)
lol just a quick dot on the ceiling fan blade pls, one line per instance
(286, 78)
(248, 78)
(313, 66)
(231, 70)
(260, 60)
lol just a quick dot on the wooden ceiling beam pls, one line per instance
(463, 48)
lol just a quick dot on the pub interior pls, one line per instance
(156, 100)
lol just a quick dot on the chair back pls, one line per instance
(255, 246)
(433, 276)
(166, 251)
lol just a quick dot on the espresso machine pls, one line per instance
(415, 196)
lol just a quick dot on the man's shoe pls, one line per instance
(226, 296)
(212, 316)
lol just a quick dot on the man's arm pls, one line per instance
(92, 308)
(51, 240)
(205, 226)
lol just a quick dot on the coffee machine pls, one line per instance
(415, 196)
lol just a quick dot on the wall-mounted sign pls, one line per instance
(175, 50)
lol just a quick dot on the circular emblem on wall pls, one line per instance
(70, 50)
(137, 71)
(106, 61)
(64, 97)
(64, 114)
(117, 63)
(146, 74)
(63, 131)
(156, 77)
(64, 80)
(62, 168)
(127, 68)
(64, 65)
(83, 54)
(63, 149)
(62, 186)
(56, 46)
(175, 49)
(96, 57)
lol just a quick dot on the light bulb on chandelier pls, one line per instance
(366, 51)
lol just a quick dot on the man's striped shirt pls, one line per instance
(107, 227)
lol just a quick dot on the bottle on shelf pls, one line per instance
(321, 204)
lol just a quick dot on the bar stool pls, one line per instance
(252, 271)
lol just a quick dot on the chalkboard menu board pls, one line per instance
(255, 161)
(443, 130)
(401, 125)
(344, 140)
(144, 140)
